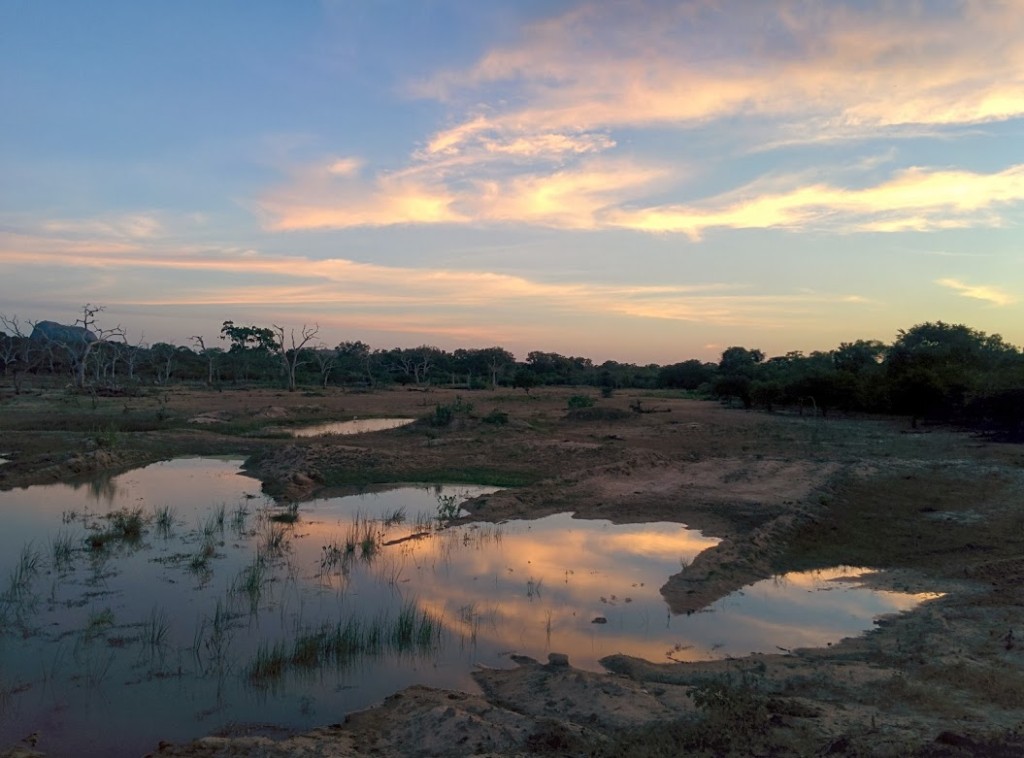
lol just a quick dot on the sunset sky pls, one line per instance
(636, 181)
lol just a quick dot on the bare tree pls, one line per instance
(86, 338)
(290, 356)
(326, 360)
(15, 350)
(210, 354)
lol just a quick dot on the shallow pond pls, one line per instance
(215, 608)
(355, 426)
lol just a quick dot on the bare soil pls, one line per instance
(939, 511)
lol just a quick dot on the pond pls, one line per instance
(175, 601)
(355, 426)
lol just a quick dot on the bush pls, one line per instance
(496, 417)
(580, 401)
(444, 415)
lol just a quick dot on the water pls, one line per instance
(123, 642)
(355, 426)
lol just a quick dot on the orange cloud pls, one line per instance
(993, 295)
(260, 279)
(614, 65)
(914, 199)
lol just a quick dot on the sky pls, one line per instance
(633, 181)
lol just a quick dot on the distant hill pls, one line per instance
(51, 331)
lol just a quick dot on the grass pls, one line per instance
(211, 643)
(273, 540)
(163, 519)
(97, 623)
(332, 558)
(250, 582)
(238, 518)
(156, 630)
(61, 552)
(124, 525)
(394, 517)
(24, 573)
(411, 631)
(533, 587)
(289, 515)
(448, 508)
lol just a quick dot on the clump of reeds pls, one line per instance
(250, 582)
(24, 572)
(124, 525)
(238, 518)
(289, 515)
(411, 631)
(155, 631)
(61, 552)
(163, 519)
(273, 540)
(394, 517)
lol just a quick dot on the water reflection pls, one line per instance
(355, 426)
(226, 608)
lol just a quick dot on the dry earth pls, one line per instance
(940, 511)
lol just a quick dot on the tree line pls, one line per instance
(934, 370)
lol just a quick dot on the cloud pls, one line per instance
(573, 197)
(992, 295)
(915, 199)
(136, 226)
(551, 130)
(839, 65)
(247, 277)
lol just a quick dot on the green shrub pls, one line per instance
(496, 417)
(580, 401)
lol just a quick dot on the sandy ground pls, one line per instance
(941, 511)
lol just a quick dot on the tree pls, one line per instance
(290, 356)
(80, 340)
(326, 360)
(211, 354)
(15, 351)
(247, 343)
(526, 379)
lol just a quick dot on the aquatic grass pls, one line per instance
(273, 540)
(18, 596)
(212, 640)
(156, 630)
(163, 519)
(533, 587)
(238, 518)
(448, 508)
(269, 664)
(250, 582)
(124, 525)
(97, 623)
(127, 523)
(61, 552)
(334, 557)
(289, 515)
(411, 631)
(423, 523)
(394, 516)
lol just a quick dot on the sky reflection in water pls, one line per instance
(354, 426)
(74, 661)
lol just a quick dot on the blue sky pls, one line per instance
(637, 181)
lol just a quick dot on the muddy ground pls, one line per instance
(939, 510)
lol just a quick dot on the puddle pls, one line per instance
(181, 630)
(355, 426)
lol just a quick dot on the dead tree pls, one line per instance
(290, 355)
